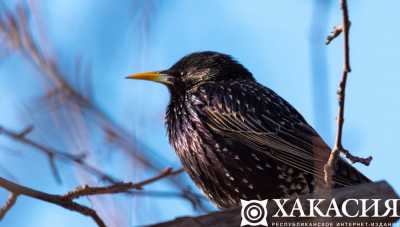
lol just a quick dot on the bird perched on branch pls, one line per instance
(238, 139)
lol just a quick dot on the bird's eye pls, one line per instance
(181, 73)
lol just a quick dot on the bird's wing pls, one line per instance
(258, 118)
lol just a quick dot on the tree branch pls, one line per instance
(15, 27)
(67, 201)
(119, 187)
(54, 199)
(330, 166)
(8, 205)
(52, 153)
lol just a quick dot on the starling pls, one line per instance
(238, 139)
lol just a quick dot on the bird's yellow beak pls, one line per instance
(159, 77)
(153, 76)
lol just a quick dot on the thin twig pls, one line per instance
(119, 187)
(337, 30)
(52, 153)
(8, 205)
(67, 200)
(79, 160)
(330, 166)
(356, 159)
(51, 198)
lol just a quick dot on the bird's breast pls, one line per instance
(194, 144)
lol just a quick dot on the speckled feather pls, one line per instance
(240, 140)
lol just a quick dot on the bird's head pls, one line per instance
(197, 68)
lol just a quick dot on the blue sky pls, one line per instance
(271, 38)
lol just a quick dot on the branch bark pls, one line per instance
(329, 168)
(67, 201)
(8, 205)
(119, 187)
(51, 198)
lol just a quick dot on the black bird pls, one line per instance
(238, 139)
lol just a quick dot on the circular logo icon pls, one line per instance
(254, 213)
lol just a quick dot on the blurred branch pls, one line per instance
(15, 29)
(8, 205)
(193, 198)
(67, 201)
(119, 187)
(330, 166)
(17, 189)
(52, 153)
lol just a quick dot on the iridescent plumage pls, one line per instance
(240, 140)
